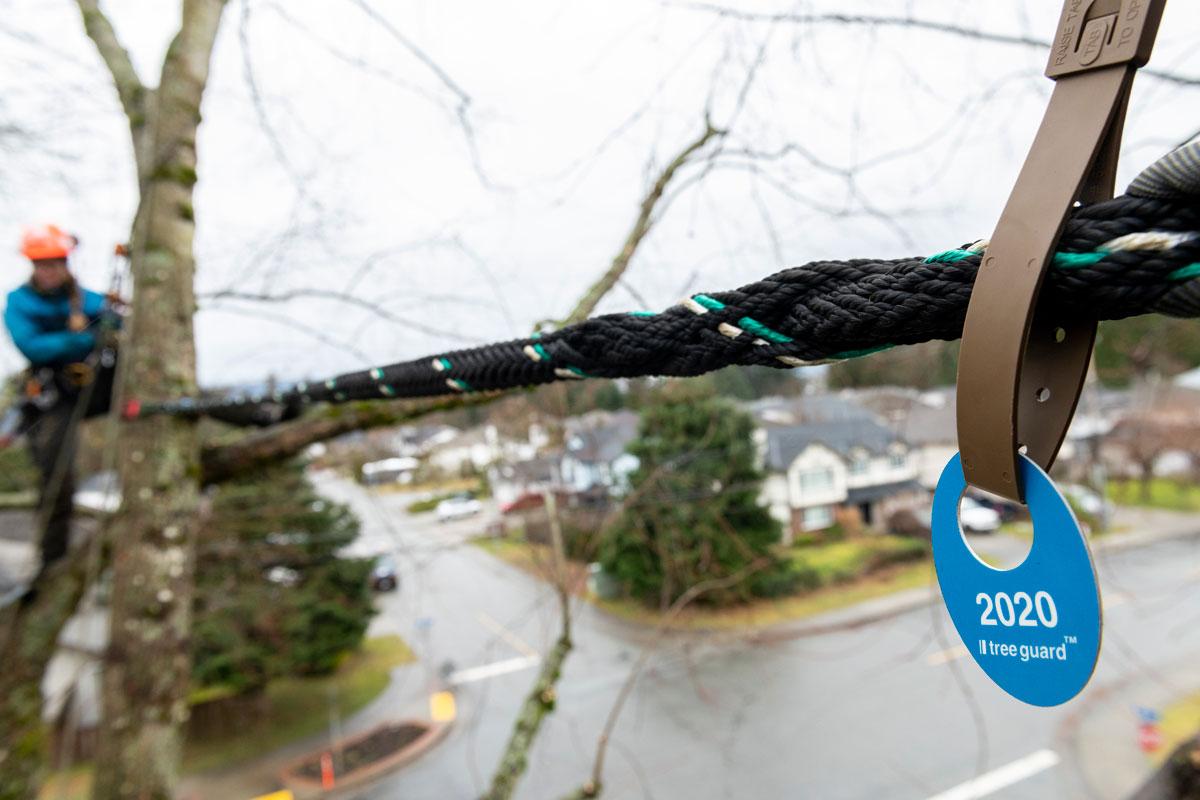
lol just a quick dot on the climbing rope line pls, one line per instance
(1135, 254)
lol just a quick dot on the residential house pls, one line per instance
(510, 481)
(398, 469)
(925, 420)
(852, 470)
(1156, 429)
(477, 449)
(419, 440)
(595, 457)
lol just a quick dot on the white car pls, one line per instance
(1086, 500)
(458, 507)
(976, 518)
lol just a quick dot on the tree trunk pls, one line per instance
(1146, 480)
(146, 668)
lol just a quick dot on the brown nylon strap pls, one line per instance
(1022, 365)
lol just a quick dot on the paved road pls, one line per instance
(886, 710)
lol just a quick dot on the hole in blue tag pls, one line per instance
(997, 531)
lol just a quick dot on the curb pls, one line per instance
(1130, 541)
(305, 787)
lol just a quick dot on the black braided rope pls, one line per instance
(829, 309)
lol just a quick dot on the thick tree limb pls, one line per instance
(255, 450)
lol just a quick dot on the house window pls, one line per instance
(859, 464)
(816, 480)
(818, 517)
(899, 459)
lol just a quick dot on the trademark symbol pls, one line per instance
(1070, 639)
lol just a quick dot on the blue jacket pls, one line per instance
(38, 325)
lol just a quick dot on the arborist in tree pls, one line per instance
(62, 329)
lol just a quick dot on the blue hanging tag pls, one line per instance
(1035, 628)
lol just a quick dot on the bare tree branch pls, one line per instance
(130, 89)
(900, 22)
(592, 787)
(341, 297)
(641, 226)
(542, 698)
(462, 110)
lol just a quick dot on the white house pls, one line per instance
(818, 471)
(477, 449)
(399, 469)
(595, 456)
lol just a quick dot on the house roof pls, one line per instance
(602, 440)
(806, 409)
(785, 442)
(537, 470)
(920, 417)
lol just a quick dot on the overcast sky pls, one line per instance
(354, 171)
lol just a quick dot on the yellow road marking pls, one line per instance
(946, 656)
(514, 641)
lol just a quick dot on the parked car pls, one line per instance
(458, 507)
(1007, 509)
(1086, 500)
(976, 518)
(384, 576)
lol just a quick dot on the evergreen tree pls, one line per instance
(693, 513)
(273, 597)
(751, 383)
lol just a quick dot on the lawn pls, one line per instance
(838, 562)
(450, 485)
(773, 611)
(1166, 493)
(299, 707)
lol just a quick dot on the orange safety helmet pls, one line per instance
(46, 242)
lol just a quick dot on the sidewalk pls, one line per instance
(1144, 526)
(1111, 765)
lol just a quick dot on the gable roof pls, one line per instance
(604, 440)
(536, 470)
(785, 442)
